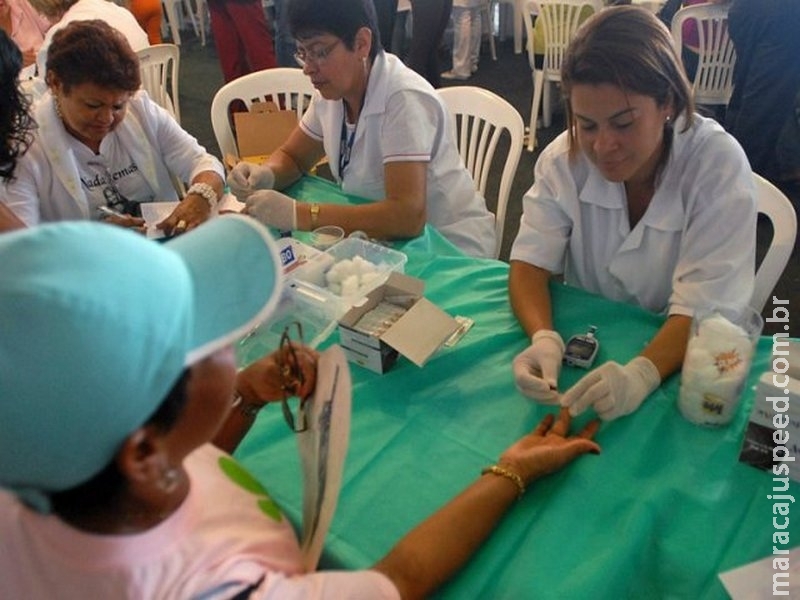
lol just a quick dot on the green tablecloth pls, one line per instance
(658, 514)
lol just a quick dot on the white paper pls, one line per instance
(753, 581)
(155, 212)
(323, 447)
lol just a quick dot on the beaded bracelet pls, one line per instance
(508, 474)
(206, 191)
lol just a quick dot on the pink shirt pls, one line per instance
(226, 536)
(27, 26)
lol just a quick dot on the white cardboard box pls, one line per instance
(416, 335)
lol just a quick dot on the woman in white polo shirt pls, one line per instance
(640, 200)
(386, 132)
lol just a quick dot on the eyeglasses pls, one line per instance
(318, 57)
(292, 378)
(115, 200)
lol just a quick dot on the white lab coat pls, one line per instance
(46, 184)
(403, 119)
(694, 246)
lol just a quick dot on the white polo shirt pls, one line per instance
(694, 246)
(403, 119)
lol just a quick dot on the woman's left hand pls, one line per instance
(264, 380)
(613, 390)
(191, 212)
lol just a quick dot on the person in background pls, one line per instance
(149, 15)
(64, 12)
(766, 80)
(284, 42)
(466, 39)
(640, 200)
(103, 144)
(386, 11)
(429, 19)
(116, 479)
(16, 124)
(401, 35)
(25, 26)
(242, 37)
(386, 132)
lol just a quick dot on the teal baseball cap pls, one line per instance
(96, 325)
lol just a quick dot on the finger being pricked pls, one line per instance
(562, 425)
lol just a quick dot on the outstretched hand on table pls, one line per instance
(549, 447)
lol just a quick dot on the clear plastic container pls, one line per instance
(316, 279)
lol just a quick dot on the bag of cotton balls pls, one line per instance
(714, 371)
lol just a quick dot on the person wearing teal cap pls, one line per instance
(117, 387)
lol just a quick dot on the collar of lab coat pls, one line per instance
(665, 213)
(57, 148)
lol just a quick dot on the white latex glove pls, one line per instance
(612, 389)
(537, 367)
(246, 178)
(272, 208)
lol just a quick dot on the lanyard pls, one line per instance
(345, 147)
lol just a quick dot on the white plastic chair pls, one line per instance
(778, 208)
(559, 20)
(174, 11)
(713, 81)
(288, 88)
(159, 66)
(480, 117)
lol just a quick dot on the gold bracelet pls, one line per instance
(508, 474)
(314, 210)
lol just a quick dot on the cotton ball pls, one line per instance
(361, 265)
(348, 268)
(350, 285)
(334, 274)
(720, 327)
(368, 280)
(335, 287)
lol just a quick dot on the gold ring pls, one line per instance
(181, 224)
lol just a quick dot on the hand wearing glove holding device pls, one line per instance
(536, 368)
(612, 389)
(246, 178)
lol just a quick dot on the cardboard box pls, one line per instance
(417, 334)
(773, 411)
(261, 130)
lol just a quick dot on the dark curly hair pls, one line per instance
(93, 52)
(16, 123)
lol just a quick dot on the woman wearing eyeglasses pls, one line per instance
(386, 132)
(104, 145)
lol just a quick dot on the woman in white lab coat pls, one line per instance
(385, 131)
(102, 144)
(640, 200)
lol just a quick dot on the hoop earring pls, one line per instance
(169, 480)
